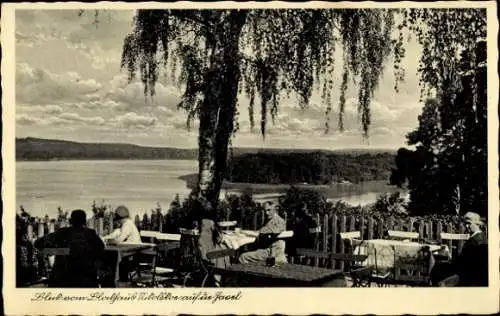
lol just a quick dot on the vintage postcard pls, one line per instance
(250, 158)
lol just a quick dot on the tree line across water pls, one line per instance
(310, 167)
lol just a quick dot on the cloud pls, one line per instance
(49, 109)
(27, 120)
(74, 117)
(134, 120)
(37, 86)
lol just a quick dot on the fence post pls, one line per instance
(153, 225)
(145, 222)
(449, 229)
(361, 227)
(110, 225)
(51, 227)
(380, 228)
(100, 226)
(421, 229)
(325, 238)
(160, 222)
(137, 221)
(390, 223)
(352, 223)
(41, 229)
(30, 232)
(333, 236)
(431, 230)
(370, 228)
(439, 229)
(461, 230)
(342, 246)
(410, 225)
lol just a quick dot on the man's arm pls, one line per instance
(125, 232)
(115, 234)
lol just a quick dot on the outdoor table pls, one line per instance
(281, 275)
(382, 253)
(114, 254)
(236, 239)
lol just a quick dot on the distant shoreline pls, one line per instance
(335, 190)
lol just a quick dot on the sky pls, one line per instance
(69, 86)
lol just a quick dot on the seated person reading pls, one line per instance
(126, 231)
(80, 268)
(267, 245)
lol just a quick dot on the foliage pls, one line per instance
(100, 210)
(188, 39)
(216, 55)
(447, 172)
(292, 202)
(309, 167)
(390, 203)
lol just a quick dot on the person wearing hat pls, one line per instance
(471, 266)
(126, 231)
(80, 268)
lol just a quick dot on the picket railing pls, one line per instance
(328, 239)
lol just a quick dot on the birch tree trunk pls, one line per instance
(217, 115)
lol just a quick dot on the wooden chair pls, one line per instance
(396, 234)
(450, 237)
(48, 256)
(227, 225)
(359, 275)
(413, 271)
(213, 274)
(149, 273)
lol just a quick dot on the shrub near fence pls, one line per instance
(331, 225)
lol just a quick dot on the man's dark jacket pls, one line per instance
(79, 269)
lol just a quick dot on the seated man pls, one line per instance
(126, 231)
(267, 244)
(471, 265)
(305, 231)
(80, 268)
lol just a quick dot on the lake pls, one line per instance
(42, 186)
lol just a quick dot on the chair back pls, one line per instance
(351, 235)
(215, 254)
(56, 251)
(285, 234)
(50, 253)
(189, 232)
(322, 258)
(450, 236)
(396, 234)
(227, 225)
(315, 230)
(168, 237)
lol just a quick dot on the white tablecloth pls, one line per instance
(382, 253)
(236, 240)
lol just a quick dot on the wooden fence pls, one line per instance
(328, 238)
